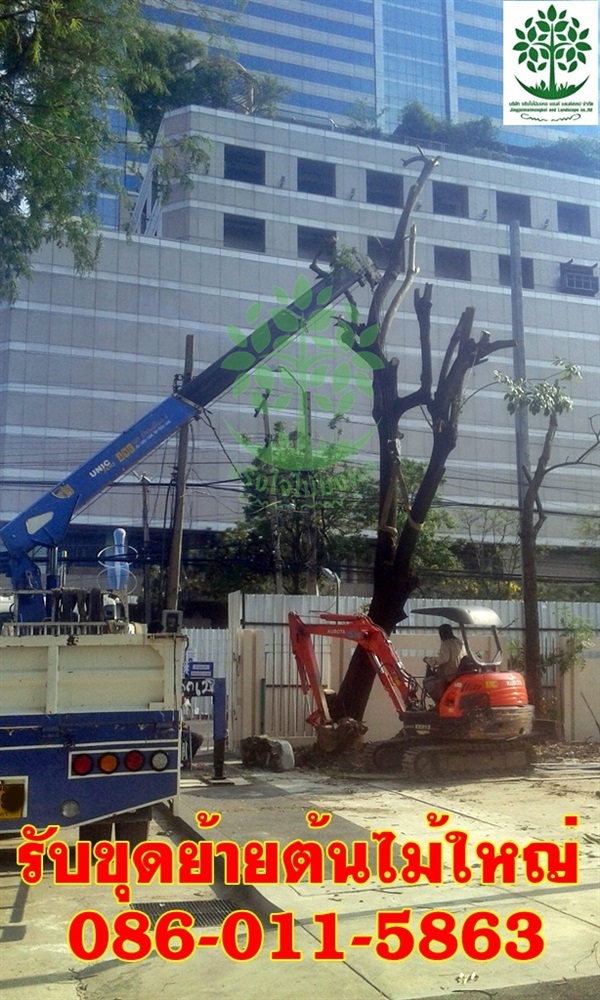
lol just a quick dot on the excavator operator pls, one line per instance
(442, 669)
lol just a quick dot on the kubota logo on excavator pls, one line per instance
(319, 374)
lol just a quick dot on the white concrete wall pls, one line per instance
(581, 698)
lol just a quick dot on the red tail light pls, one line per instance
(82, 764)
(134, 760)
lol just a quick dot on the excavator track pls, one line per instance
(466, 759)
(418, 760)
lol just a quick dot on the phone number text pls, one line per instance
(437, 936)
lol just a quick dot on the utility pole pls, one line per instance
(146, 537)
(519, 363)
(527, 532)
(272, 508)
(174, 567)
(312, 567)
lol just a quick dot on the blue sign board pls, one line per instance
(199, 669)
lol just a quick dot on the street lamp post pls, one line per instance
(330, 575)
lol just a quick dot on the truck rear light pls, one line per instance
(134, 760)
(159, 760)
(82, 764)
(108, 763)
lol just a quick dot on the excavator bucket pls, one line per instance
(337, 737)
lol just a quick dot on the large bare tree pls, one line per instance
(438, 394)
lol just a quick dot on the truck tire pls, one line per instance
(134, 831)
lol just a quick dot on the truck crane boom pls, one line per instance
(46, 521)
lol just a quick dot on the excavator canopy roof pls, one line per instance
(482, 617)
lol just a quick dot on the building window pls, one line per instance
(243, 232)
(526, 270)
(450, 199)
(316, 177)
(379, 251)
(573, 218)
(513, 206)
(452, 263)
(243, 164)
(315, 243)
(384, 189)
(578, 279)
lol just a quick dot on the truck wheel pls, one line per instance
(134, 831)
(95, 832)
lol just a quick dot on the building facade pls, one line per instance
(336, 54)
(83, 358)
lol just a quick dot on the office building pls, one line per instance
(84, 357)
(334, 54)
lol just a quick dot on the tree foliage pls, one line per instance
(339, 500)
(479, 137)
(551, 400)
(71, 71)
(59, 69)
(173, 69)
(470, 137)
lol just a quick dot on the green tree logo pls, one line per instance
(554, 42)
(323, 374)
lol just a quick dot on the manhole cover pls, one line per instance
(206, 912)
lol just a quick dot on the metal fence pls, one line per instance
(283, 707)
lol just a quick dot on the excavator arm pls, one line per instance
(400, 686)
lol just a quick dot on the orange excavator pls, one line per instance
(477, 727)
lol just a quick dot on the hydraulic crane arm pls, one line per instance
(46, 521)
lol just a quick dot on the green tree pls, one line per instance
(59, 69)
(67, 68)
(479, 137)
(363, 119)
(307, 517)
(338, 501)
(550, 400)
(172, 69)
(472, 137)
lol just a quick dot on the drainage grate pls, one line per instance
(206, 912)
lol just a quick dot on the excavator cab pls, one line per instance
(468, 618)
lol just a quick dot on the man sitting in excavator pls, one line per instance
(442, 669)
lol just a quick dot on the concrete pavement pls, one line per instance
(263, 806)
(36, 960)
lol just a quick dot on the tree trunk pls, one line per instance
(530, 609)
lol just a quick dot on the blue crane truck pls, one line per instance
(90, 708)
